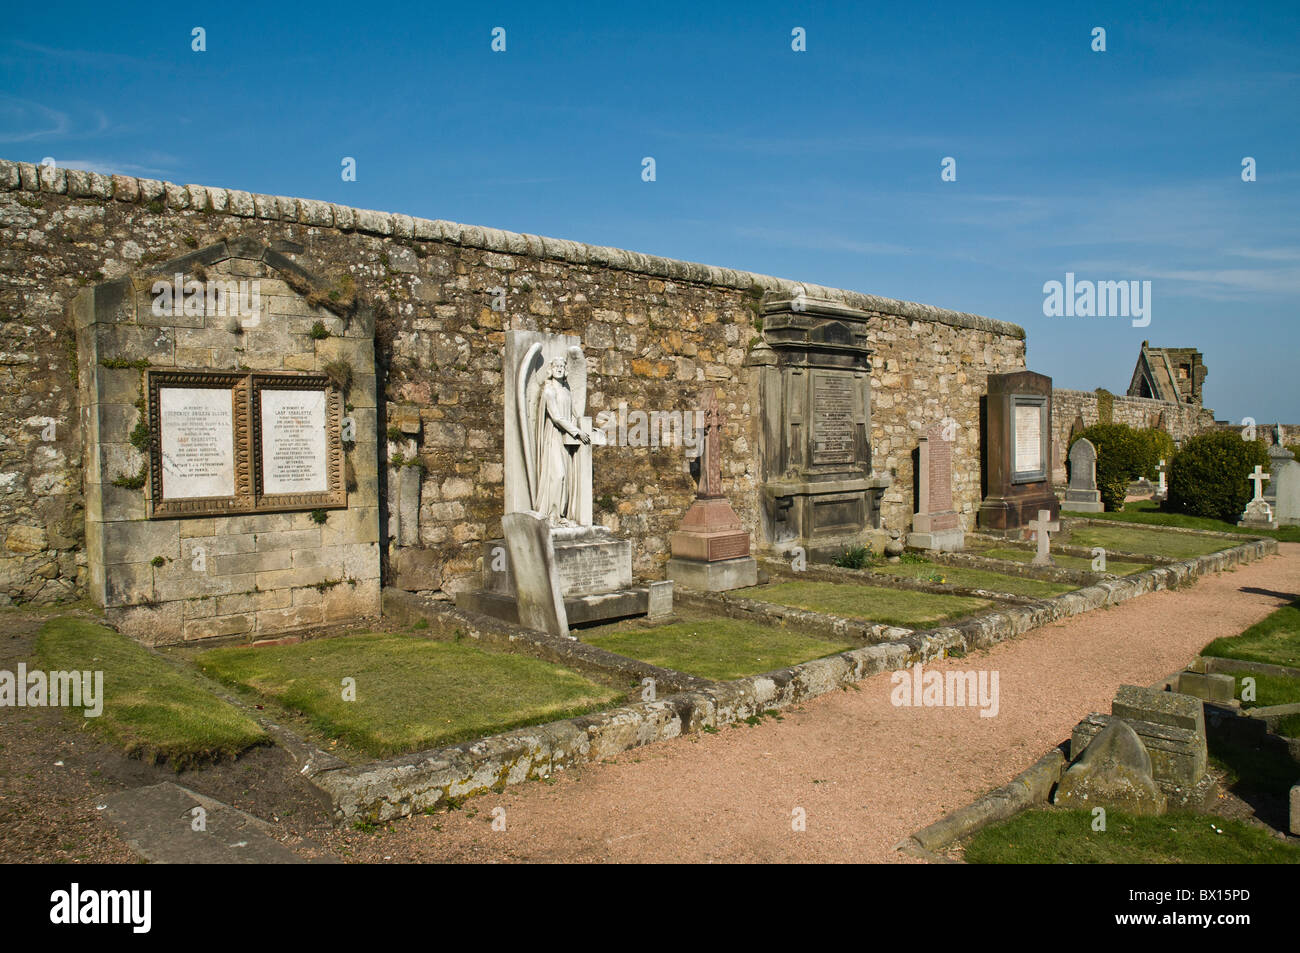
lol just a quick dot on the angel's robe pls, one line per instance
(557, 442)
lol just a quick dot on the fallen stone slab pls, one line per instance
(159, 823)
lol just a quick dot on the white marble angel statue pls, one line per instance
(551, 402)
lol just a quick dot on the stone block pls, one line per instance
(416, 569)
(1162, 708)
(1113, 771)
(717, 576)
(1295, 809)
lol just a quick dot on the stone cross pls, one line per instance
(1160, 487)
(1258, 478)
(711, 456)
(1041, 527)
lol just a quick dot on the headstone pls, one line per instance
(548, 463)
(711, 548)
(536, 581)
(1017, 448)
(1295, 809)
(813, 367)
(1172, 728)
(1082, 494)
(1258, 514)
(1285, 470)
(1113, 771)
(936, 525)
(1161, 489)
(1041, 528)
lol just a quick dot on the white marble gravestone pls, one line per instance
(1285, 484)
(1258, 514)
(1082, 494)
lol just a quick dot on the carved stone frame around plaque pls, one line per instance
(1039, 403)
(335, 493)
(245, 389)
(236, 384)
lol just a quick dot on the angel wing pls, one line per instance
(526, 389)
(576, 369)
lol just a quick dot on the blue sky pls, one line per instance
(823, 166)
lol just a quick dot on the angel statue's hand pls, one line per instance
(584, 436)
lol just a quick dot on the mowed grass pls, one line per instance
(871, 603)
(977, 579)
(1274, 640)
(1152, 542)
(1117, 566)
(718, 649)
(1067, 837)
(150, 710)
(411, 693)
(1149, 512)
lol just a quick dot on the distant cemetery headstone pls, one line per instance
(936, 525)
(1082, 494)
(1285, 484)
(1162, 489)
(1017, 448)
(1258, 514)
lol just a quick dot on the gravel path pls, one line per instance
(866, 773)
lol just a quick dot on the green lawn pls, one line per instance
(1150, 542)
(411, 693)
(977, 579)
(1066, 837)
(1269, 690)
(718, 648)
(872, 603)
(1146, 511)
(1288, 726)
(1274, 640)
(150, 709)
(1117, 566)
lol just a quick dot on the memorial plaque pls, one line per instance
(833, 437)
(1029, 438)
(294, 445)
(197, 442)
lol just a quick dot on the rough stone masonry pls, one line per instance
(441, 296)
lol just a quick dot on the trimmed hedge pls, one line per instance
(1122, 455)
(1208, 476)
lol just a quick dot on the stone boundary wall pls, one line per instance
(655, 331)
(429, 779)
(1180, 420)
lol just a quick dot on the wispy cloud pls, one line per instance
(22, 120)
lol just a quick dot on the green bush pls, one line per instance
(1158, 446)
(1208, 476)
(1121, 457)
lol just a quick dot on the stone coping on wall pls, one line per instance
(24, 176)
(425, 780)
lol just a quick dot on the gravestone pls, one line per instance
(1285, 470)
(711, 549)
(1114, 771)
(1162, 489)
(231, 484)
(1017, 448)
(1082, 495)
(936, 525)
(813, 367)
(548, 463)
(1042, 528)
(1258, 514)
(1172, 729)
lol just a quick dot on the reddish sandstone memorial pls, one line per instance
(711, 549)
(936, 525)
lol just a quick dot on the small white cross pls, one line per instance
(1258, 478)
(1041, 528)
(1160, 487)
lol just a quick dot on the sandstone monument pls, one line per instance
(1017, 448)
(711, 549)
(936, 525)
(1082, 495)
